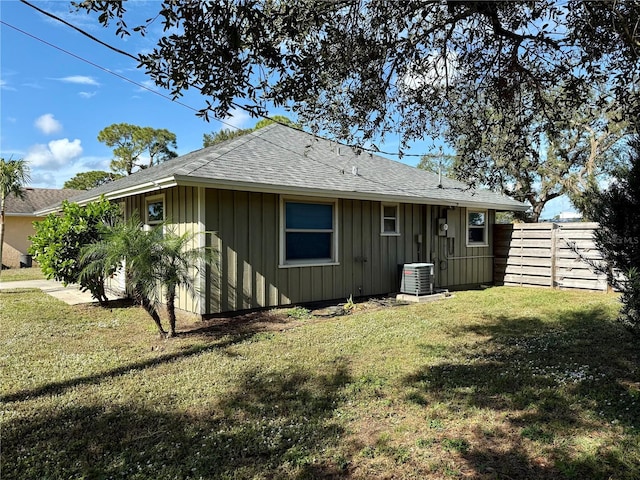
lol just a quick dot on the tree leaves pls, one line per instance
(130, 142)
(340, 65)
(90, 179)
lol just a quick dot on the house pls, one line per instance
(298, 218)
(569, 217)
(20, 213)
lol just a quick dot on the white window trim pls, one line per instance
(485, 240)
(154, 199)
(397, 219)
(308, 262)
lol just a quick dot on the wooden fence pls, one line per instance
(544, 254)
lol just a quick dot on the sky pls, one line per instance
(56, 96)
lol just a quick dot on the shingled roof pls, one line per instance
(280, 159)
(36, 199)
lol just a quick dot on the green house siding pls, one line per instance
(457, 264)
(247, 235)
(247, 227)
(246, 231)
(181, 211)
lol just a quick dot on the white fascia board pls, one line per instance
(124, 192)
(313, 192)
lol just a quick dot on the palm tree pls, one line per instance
(154, 261)
(128, 246)
(178, 267)
(14, 174)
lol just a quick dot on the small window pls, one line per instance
(309, 233)
(155, 209)
(477, 228)
(389, 222)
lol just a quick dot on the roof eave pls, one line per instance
(146, 187)
(185, 180)
(14, 214)
(317, 192)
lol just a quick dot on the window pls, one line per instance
(154, 210)
(477, 228)
(389, 222)
(309, 235)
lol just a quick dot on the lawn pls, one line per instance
(15, 274)
(501, 383)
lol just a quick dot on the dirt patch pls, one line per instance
(278, 319)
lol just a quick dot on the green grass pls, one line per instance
(501, 383)
(16, 274)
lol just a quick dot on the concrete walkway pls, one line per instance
(70, 294)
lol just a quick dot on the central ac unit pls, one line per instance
(417, 279)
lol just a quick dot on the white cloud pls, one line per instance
(41, 179)
(237, 118)
(87, 94)
(79, 79)
(96, 163)
(47, 124)
(5, 86)
(55, 154)
(147, 85)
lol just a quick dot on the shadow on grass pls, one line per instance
(226, 334)
(491, 460)
(554, 380)
(271, 425)
(242, 324)
(57, 388)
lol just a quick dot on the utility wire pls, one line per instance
(260, 137)
(249, 110)
(79, 30)
(111, 72)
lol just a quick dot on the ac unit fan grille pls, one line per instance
(417, 279)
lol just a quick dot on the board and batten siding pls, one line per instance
(181, 213)
(247, 226)
(245, 231)
(455, 263)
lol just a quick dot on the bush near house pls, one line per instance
(60, 238)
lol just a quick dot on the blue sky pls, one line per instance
(53, 104)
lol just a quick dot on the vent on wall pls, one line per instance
(417, 279)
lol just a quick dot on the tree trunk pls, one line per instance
(97, 291)
(153, 313)
(536, 212)
(171, 311)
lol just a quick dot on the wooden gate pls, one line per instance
(547, 254)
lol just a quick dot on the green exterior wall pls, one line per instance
(456, 264)
(246, 233)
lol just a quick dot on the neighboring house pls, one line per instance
(19, 217)
(297, 219)
(569, 217)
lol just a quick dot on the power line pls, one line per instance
(79, 30)
(329, 165)
(249, 110)
(111, 72)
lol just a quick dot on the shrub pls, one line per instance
(59, 239)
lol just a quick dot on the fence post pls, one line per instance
(554, 249)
